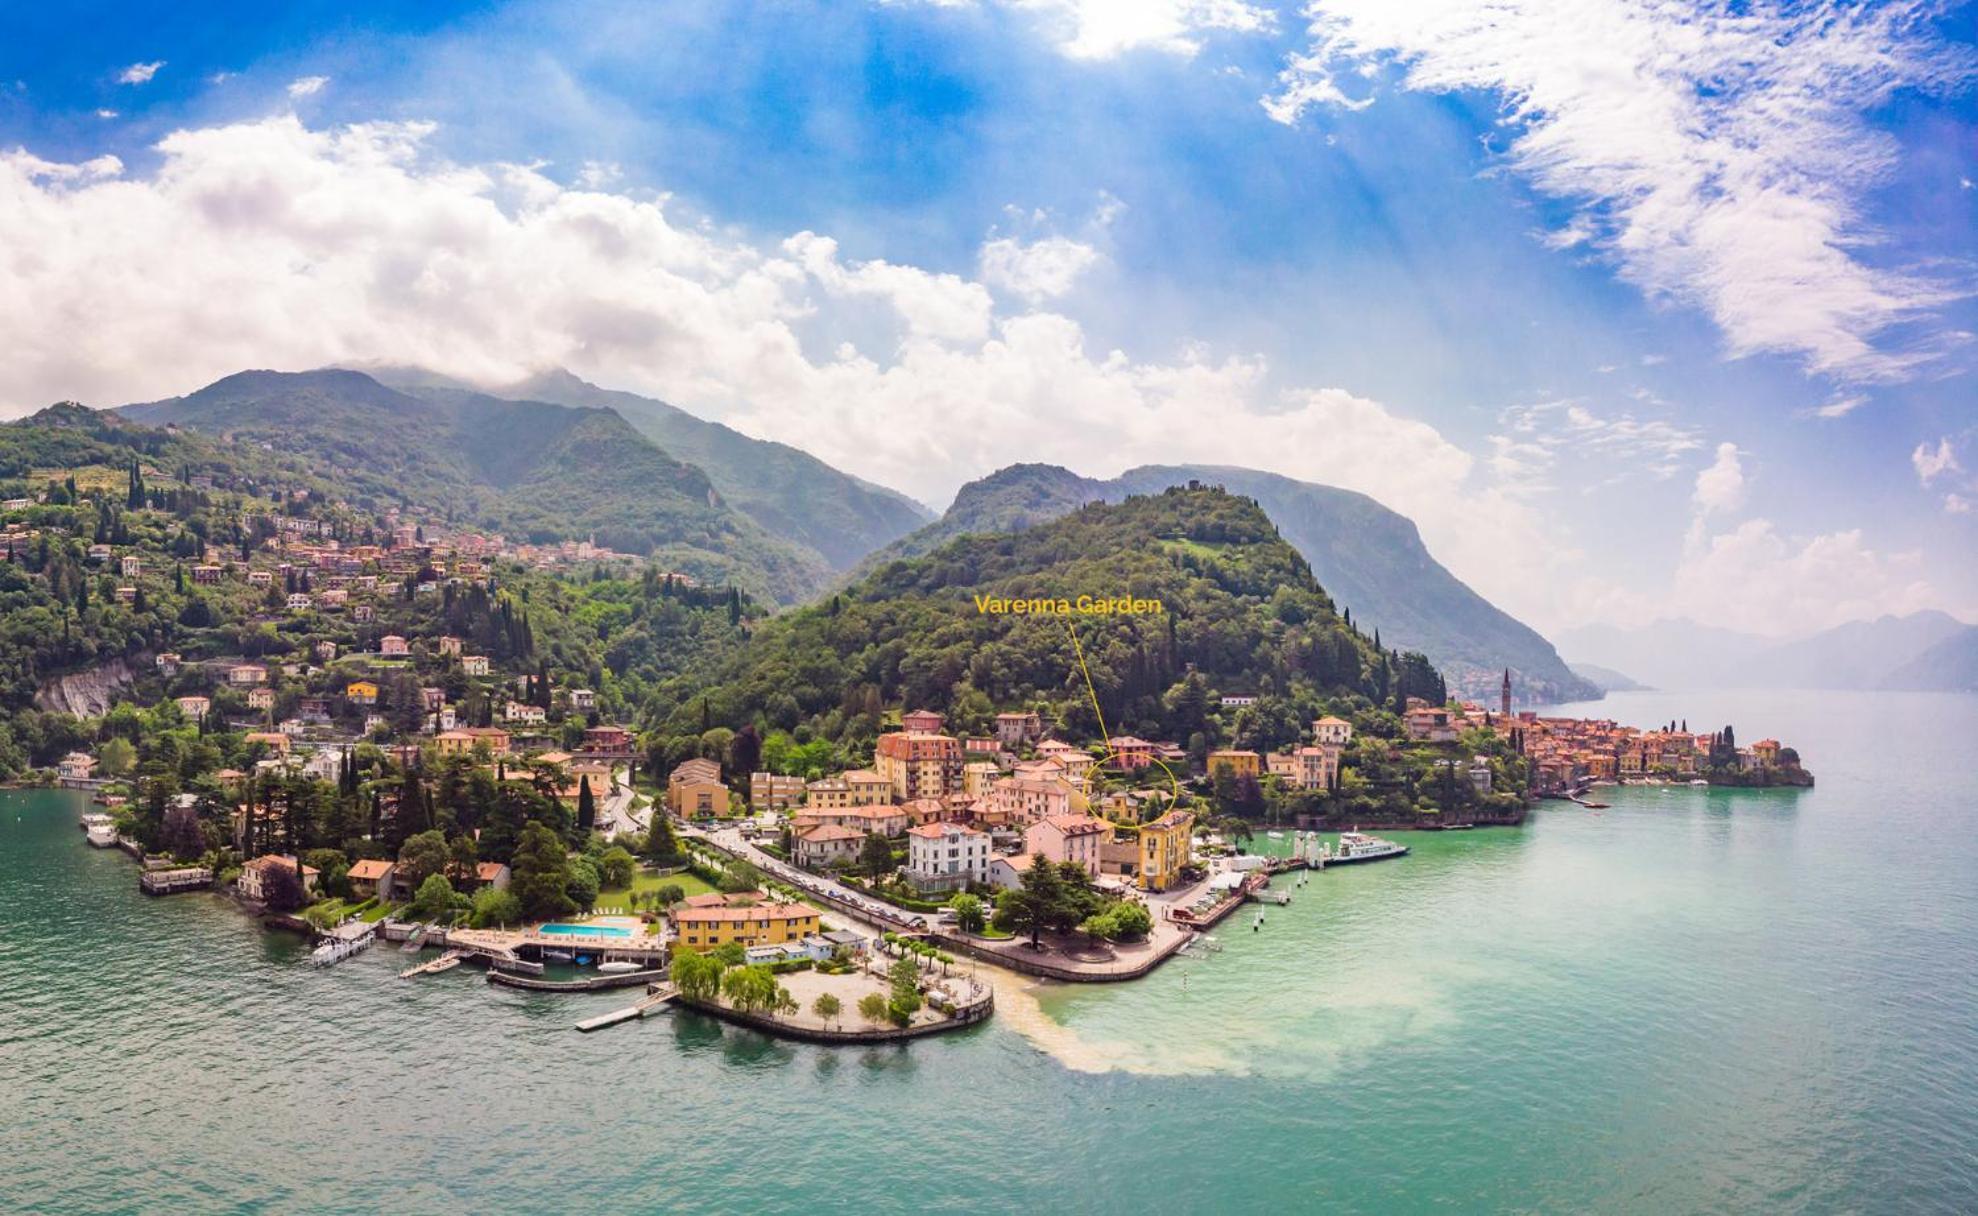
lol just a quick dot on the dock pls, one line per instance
(656, 996)
(600, 983)
(171, 882)
(445, 962)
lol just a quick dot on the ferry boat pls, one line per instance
(1358, 846)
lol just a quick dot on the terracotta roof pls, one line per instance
(752, 912)
(488, 871)
(1078, 825)
(371, 869)
(829, 831)
(935, 831)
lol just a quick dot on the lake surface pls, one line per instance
(1694, 1001)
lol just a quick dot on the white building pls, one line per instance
(946, 855)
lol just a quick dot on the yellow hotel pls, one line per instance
(1164, 849)
(758, 925)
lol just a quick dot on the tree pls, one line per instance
(905, 1002)
(282, 889)
(872, 1007)
(730, 954)
(661, 846)
(968, 913)
(751, 988)
(827, 1007)
(616, 867)
(424, 855)
(464, 857)
(116, 756)
(495, 909)
(697, 976)
(433, 900)
(669, 894)
(541, 873)
(740, 876)
(587, 806)
(876, 855)
(584, 882)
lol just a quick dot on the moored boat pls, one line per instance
(617, 967)
(1358, 846)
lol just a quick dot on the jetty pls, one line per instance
(171, 882)
(657, 994)
(445, 962)
(597, 983)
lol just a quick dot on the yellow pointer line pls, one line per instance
(1078, 650)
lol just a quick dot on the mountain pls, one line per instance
(789, 492)
(1680, 654)
(1370, 559)
(1607, 679)
(1239, 612)
(536, 471)
(1950, 665)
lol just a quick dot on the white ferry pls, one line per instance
(1358, 846)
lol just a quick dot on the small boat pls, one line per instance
(1698, 781)
(617, 967)
(583, 960)
(1275, 835)
(447, 963)
(557, 956)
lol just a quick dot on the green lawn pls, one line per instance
(618, 898)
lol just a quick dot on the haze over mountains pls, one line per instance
(1368, 558)
(1923, 651)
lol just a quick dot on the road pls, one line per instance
(877, 918)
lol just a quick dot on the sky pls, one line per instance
(1638, 309)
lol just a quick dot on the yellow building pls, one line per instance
(362, 692)
(1165, 849)
(1239, 763)
(705, 929)
(694, 790)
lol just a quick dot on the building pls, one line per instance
(694, 790)
(883, 820)
(1330, 730)
(1315, 768)
(1239, 763)
(1165, 847)
(393, 646)
(76, 768)
(582, 700)
(1013, 730)
(361, 692)
(1020, 801)
(774, 791)
(474, 664)
(826, 846)
(612, 739)
(1074, 838)
(195, 706)
(946, 856)
(244, 675)
(274, 740)
(490, 874)
(299, 601)
(261, 698)
(1130, 753)
(1430, 724)
(371, 879)
(1237, 700)
(205, 575)
(978, 776)
(522, 711)
(707, 928)
(254, 876)
(921, 722)
(449, 646)
(463, 740)
(853, 787)
(919, 765)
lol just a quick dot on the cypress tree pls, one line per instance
(587, 807)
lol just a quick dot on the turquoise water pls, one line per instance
(585, 931)
(1694, 1001)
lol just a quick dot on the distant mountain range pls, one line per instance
(1922, 651)
(1606, 678)
(1368, 558)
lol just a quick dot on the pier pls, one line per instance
(171, 882)
(598, 983)
(657, 994)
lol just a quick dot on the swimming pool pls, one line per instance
(585, 931)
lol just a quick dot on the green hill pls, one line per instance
(534, 471)
(789, 492)
(1242, 614)
(1369, 558)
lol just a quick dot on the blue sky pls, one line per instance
(1379, 245)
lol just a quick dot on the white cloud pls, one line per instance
(269, 244)
(597, 175)
(1956, 504)
(1932, 463)
(1756, 579)
(1653, 445)
(1039, 270)
(140, 73)
(106, 113)
(1841, 407)
(1718, 153)
(307, 86)
(1720, 487)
